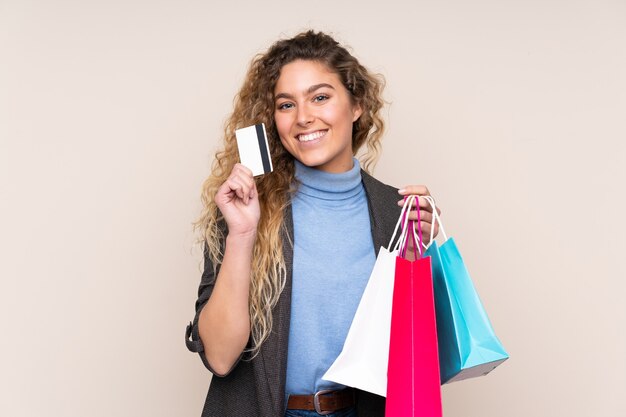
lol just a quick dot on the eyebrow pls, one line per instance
(308, 91)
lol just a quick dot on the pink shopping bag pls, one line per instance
(413, 382)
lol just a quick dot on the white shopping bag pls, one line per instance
(363, 360)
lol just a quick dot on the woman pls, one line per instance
(288, 254)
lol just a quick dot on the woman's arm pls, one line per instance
(224, 322)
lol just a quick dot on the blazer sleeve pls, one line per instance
(192, 336)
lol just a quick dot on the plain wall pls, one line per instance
(512, 112)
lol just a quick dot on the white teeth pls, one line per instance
(311, 136)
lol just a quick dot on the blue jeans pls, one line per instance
(347, 412)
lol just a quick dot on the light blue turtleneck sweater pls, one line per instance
(332, 261)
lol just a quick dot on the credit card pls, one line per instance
(254, 152)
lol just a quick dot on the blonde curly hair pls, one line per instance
(254, 103)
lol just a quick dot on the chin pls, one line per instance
(311, 161)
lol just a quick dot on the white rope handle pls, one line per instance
(403, 227)
(406, 206)
(436, 219)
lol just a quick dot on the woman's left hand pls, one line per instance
(426, 210)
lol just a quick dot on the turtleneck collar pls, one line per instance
(328, 186)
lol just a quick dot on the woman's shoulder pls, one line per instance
(375, 187)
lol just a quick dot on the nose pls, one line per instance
(305, 116)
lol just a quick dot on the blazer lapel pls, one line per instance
(384, 211)
(272, 371)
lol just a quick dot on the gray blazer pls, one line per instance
(257, 387)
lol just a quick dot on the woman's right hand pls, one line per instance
(238, 200)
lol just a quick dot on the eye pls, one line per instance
(285, 106)
(320, 97)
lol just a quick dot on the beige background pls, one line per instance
(512, 112)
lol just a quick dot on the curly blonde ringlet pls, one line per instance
(254, 103)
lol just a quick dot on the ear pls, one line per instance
(357, 111)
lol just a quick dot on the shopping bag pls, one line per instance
(468, 345)
(362, 362)
(413, 386)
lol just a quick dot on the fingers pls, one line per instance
(414, 190)
(426, 216)
(426, 220)
(240, 183)
(427, 228)
(423, 204)
(420, 191)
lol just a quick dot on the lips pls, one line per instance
(311, 136)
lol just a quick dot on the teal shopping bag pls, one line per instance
(468, 345)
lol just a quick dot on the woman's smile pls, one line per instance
(308, 137)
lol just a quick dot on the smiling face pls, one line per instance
(314, 115)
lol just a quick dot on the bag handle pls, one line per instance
(409, 232)
(413, 235)
(402, 219)
(436, 219)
